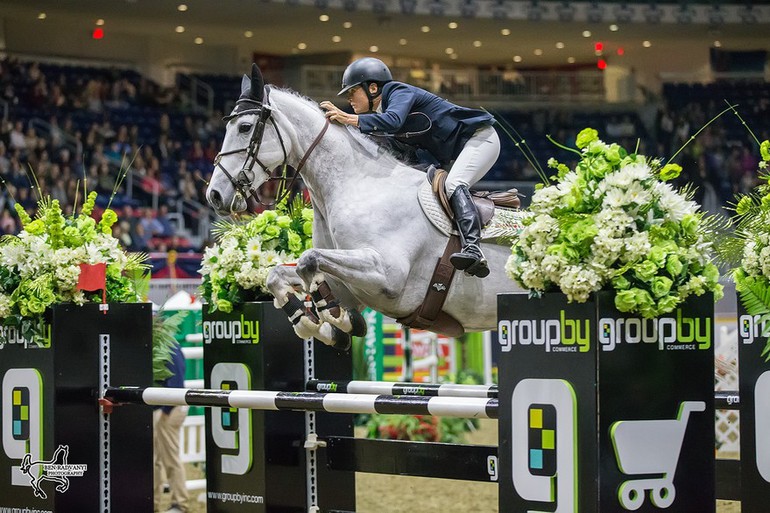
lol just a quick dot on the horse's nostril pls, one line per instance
(215, 199)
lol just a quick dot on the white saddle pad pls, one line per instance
(505, 223)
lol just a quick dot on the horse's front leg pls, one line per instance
(360, 268)
(288, 290)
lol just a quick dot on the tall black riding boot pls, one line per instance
(470, 259)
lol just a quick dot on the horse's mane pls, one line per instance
(363, 141)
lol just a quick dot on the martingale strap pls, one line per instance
(430, 315)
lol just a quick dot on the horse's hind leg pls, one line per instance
(284, 283)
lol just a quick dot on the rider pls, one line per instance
(458, 134)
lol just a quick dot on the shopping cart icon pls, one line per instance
(644, 447)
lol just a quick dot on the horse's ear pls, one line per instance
(257, 83)
(245, 86)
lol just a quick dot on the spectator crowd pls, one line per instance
(74, 128)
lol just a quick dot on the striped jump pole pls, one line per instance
(464, 407)
(401, 388)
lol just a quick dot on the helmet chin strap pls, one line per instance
(371, 96)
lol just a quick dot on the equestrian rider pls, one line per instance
(458, 134)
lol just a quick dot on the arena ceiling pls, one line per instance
(534, 31)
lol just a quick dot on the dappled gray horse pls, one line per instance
(373, 245)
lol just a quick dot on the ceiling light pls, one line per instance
(477, 44)
(179, 29)
(453, 56)
(717, 44)
(323, 17)
(42, 16)
(506, 32)
(402, 41)
(425, 29)
(571, 60)
(538, 51)
(347, 24)
(517, 58)
(614, 28)
(559, 45)
(99, 22)
(586, 33)
(248, 33)
(453, 24)
(336, 39)
(449, 51)
(302, 46)
(198, 40)
(646, 44)
(374, 49)
(181, 7)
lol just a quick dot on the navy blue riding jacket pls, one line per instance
(451, 125)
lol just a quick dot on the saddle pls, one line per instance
(485, 201)
(430, 314)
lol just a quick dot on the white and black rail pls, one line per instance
(463, 407)
(401, 388)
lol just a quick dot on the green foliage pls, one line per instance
(235, 269)
(421, 428)
(164, 330)
(614, 223)
(41, 266)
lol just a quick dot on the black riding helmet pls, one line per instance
(365, 71)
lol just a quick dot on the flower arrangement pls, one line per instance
(235, 269)
(614, 223)
(41, 265)
(749, 247)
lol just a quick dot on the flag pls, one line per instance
(93, 277)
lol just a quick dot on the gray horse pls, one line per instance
(373, 244)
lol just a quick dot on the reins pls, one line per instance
(243, 181)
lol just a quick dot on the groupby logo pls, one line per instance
(10, 335)
(682, 333)
(51, 470)
(751, 328)
(236, 332)
(557, 335)
(544, 444)
(327, 387)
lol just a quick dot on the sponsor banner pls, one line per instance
(754, 385)
(255, 460)
(50, 446)
(594, 392)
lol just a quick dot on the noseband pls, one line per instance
(242, 182)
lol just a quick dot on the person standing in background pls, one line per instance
(167, 425)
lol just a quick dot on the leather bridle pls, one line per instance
(243, 180)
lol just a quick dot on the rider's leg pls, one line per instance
(473, 162)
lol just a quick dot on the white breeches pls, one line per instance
(475, 160)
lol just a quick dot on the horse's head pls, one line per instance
(248, 151)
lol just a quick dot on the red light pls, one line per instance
(598, 47)
(621, 51)
(602, 64)
(98, 33)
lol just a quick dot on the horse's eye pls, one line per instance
(244, 128)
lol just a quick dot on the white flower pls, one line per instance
(637, 247)
(253, 247)
(672, 203)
